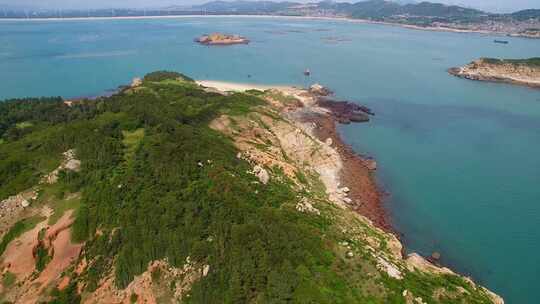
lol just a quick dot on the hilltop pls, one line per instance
(170, 191)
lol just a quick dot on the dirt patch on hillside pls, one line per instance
(20, 259)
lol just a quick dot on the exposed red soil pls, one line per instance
(19, 258)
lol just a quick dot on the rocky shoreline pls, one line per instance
(357, 173)
(356, 179)
(501, 71)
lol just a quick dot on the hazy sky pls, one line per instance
(490, 5)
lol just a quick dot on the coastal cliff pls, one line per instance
(524, 72)
(175, 191)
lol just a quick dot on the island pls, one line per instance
(175, 191)
(524, 72)
(221, 39)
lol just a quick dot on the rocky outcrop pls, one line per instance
(519, 72)
(136, 82)
(69, 163)
(261, 174)
(346, 112)
(319, 90)
(160, 281)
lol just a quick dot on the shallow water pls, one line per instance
(460, 158)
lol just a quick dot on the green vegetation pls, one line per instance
(255, 92)
(28, 153)
(8, 279)
(42, 257)
(157, 183)
(24, 125)
(61, 206)
(533, 62)
(166, 75)
(18, 229)
(67, 295)
(278, 96)
(131, 141)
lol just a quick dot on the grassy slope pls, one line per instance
(18, 229)
(533, 62)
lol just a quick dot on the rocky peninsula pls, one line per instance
(221, 39)
(525, 72)
(212, 189)
(310, 144)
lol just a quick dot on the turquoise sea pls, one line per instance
(460, 159)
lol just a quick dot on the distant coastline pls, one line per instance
(344, 19)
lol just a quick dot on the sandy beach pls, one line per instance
(241, 87)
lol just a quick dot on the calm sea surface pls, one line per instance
(461, 159)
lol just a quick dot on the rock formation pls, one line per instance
(221, 39)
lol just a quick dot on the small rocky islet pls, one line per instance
(221, 39)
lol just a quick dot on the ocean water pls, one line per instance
(460, 159)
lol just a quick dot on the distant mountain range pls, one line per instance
(421, 14)
(373, 9)
(405, 12)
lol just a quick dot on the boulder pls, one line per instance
(25, 203)
(319, 90)
(328, 141)
(262, 174)
(359, 117)
(306, 206)
(371, 164)
(136, 82)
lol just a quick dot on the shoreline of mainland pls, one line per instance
(343, 19)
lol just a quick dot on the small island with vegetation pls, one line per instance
(221, 39)
(515, 71)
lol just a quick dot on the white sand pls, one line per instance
(240, 87)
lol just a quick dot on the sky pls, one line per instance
(488, 5)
